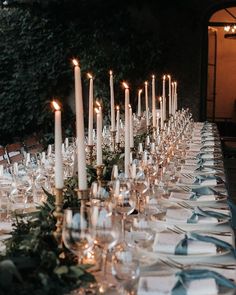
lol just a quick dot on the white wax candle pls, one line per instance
(158, 117)
(99, 136)
(133, 171)
(173, 99)
(139, 102)
(153, 102)
(131, 131)
(146, 102)
(161, 112)
(82, 175)
(67, 142)
(59, 180)
(112, 102)
(170, 102)
(176, 99)
(164, 97)
(127, 129)
(90, 126)
(117, 124)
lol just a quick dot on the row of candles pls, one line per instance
(115, 131)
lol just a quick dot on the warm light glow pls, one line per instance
(227, 28)
(160, 99)
(146, 83)
(75, 62)
(110, 72)
(97, 110)
(56, 106)
(98, 104)
(169, 76)
(172, 83)
(153, 76)
(130, 106)
(164, 77)
(90, 76)
(117, 108)
(125, 85)
(140, 91)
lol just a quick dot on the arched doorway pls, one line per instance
(220, 105)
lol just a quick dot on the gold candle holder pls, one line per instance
(113, 140)
(58, 213)
(99, 171)
(90, 153)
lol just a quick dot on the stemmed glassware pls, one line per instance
(105, 227)
(77, 231)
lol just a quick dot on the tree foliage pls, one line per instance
(38, 42)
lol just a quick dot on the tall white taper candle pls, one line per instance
(90, 126)
(82, 175)
(59, 179)
(146, 102)
(127, 129)
(99, 135)
(139, 102)
(170, 102)
(153, 102)
(117, 124)
(112, 102)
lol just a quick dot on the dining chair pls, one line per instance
(15, 152)
(3, 157)
(32, 145)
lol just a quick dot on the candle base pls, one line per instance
(58, 213)
(90, 154)
(83, 195)
(113, 140)
(118, 146)
(99, 171)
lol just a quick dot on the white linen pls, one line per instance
(163, 285)
(186, 197)
(182, 215)
(166, 242)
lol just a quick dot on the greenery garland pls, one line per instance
(34, 264)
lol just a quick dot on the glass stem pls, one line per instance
(123, 227)
(104, 262)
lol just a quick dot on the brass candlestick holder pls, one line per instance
(99, 171)
(90, 153)
(83, 195)
(58, 213)
(113, 140)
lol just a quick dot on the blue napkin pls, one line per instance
(182, 246)
(207, 213)
(232, 207)
(186, 276)
(201, 178)
(197, 192)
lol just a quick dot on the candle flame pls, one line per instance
(130, 106)
(98, 104)
(172, 83)
(164, 77)
(153, 76)
(160, 99)
(110, 72)
(56, 106)
(89, 76)
(169, 76)
(117, 107)
(125, 85)
(140, 91)
(146, 83)
(97, 110)
(75, 62)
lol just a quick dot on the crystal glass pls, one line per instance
(76, 233)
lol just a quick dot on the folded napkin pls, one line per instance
(232, 207)
(189, 244)
(180, 244)
(205, 192)
(206, 155)
(189, 216)
(192, 196)
(206, 180)
(186, 282)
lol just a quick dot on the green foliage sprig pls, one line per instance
(34, 264)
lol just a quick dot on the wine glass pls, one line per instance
(126, 269)
(76, 232)
(105, 230)
(125, 202)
